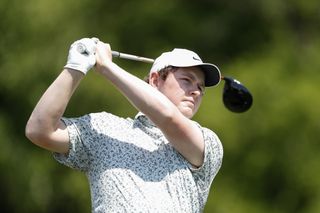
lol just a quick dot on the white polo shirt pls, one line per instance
(131, 167)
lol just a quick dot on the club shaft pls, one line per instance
(131, 57)
(137, 58)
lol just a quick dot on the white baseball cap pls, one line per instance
(186, 58)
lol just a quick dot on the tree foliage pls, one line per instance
(271, 158)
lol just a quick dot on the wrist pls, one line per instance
(75, 74)
(105, 66)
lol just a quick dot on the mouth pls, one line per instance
(189, 102)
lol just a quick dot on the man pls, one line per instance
(160, 161)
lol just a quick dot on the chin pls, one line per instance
(187, 111)
(188, 114)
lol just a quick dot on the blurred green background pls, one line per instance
(271, 161)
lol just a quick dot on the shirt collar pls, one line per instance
(144, 119)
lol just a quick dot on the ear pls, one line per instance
(154, 79)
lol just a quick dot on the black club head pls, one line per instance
(236, 97)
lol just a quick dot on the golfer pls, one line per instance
(158, 161)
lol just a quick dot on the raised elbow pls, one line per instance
(30, 133)
(34, 133)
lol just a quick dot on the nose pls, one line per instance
(195, 91)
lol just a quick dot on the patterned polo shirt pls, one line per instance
(131, 167)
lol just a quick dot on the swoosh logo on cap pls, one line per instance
(196, 58)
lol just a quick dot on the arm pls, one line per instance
(182, 133)
(44, 127)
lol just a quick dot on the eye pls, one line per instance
(186, 79)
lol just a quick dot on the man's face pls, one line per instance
(185, 88)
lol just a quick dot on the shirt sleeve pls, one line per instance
(213, 155)
(78, 156)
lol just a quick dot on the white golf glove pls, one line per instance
(82, 55)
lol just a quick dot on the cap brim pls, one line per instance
(211, 71)
(212, 74)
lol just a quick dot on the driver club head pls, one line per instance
(236, 97)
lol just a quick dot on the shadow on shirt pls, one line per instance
(132, 149)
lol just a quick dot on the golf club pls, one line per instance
(236, 97)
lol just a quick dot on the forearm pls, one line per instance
(143, 96)
(51, 107)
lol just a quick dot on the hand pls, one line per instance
(82, 55)
(103, 56)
